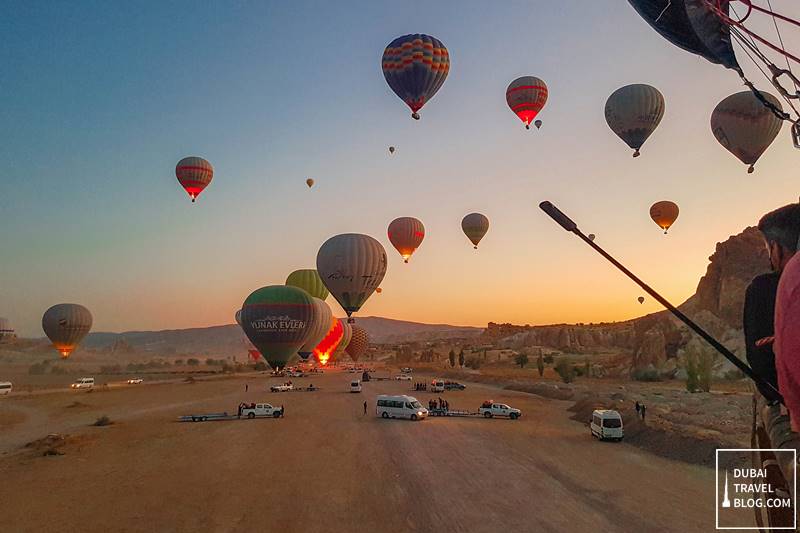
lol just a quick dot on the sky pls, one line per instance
(99, 100)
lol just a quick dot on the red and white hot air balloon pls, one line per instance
(526, 96)
(194, 174)
(406, 234)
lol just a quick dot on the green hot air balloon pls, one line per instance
(308, 279)
(277, 320)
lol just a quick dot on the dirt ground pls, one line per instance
(326, 466)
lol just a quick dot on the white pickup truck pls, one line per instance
(491, 409)
(260, 410)
(286, 387)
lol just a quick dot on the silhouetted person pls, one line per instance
(643, 409)
(246, 386)
(638, 408)
(365, 408)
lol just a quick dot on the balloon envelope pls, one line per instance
(664, 214)
(329, 343)
(415, 67)
(641, 299)
(238, 317)
(406, 234)
(634, 112)
(526, 96)
(359, 342)
(475, 226)
(66, 325)
(320, 325)
(347, 334)
(538, 124)
(391, 149)
(277, 321)
(308, 279)
(351, 266)
(310, 182)
(194, 174)
(744, 126)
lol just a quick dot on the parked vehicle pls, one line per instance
(453, 385)
(355, 386)
(437, 385)
(254, 410)
(400, 407)
(403, 377)
(83, 383)
(295, 374)
(406, 370)
(286, 387)
(606, 424)
(135, 381)
(490, 409)
(5, 388)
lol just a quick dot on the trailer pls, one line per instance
(207, 417)
(245, 411)
(451, 412)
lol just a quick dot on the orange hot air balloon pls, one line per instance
(406, 234)
(359, 342)
(664, 214)
(310, 182)
(379, 290)
(329, 343)
(194, 174)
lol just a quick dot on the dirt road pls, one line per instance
(327, 467)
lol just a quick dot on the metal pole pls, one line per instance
(565, 222)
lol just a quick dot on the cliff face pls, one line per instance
(654, 341)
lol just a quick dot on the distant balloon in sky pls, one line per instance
(308, 279)
(329, 343)
(538, 124)
(359, 342)
(641, 299)
(415, 67)
(277, 320)
(406, 234)
(392, 149)
(745, 127)
(6, 330)
(475, 226)
(310, 182)
(664, 214)
(634, 112)
(194, 174)
(351, 266)
(379, 290)
(526, 96)
(321, 321)
(591, 237)
(66, 325)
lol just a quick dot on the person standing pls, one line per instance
(246, 386)
(365, 408)
(638, 408)
(643, 409)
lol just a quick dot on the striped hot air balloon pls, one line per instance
(194, 174)
(320, 325)
(359, 342)
(406, 234)
(308, 279)
(634, 112)
(329, 343)
(526, 96)
(415, 67)
(66, 325)
(347, 334)
(745, 127)
(475, 226)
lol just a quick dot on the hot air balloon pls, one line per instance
(351, 266)
(359, 342)
(238, 317)
(641, 299)
(277, 320)
(347, 334)
(664, 214)
(745, 127)
(391, 149)
(320, 325)
(475, 226)
(329, 343)
(526, 96)
(308, 279)
(538, 124)
(633, 112)
(6, 331)
(406, 234)
(194, 174)
(379, 290)
(591, 237)
(415, 67)
(66, 325)
(310, 182)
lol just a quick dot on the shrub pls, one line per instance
(646, 374)
(548, 359)
(521, 359)
(192, 362)
(103, 421)
(452, 357)
(261, 366)
(473, 363)
(565, 370)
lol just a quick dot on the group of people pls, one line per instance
(438, 404)
(772, 312)
(420, 386)
(640, 410)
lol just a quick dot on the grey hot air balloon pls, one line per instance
(6, 331)
(321, 321)
(66, 325)
(475, 226)
(745, 127)
(633, 112)
(351, 266)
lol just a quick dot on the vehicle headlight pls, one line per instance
(419, 413)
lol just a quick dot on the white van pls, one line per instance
(355, 386)
(83, 383)
(400, 407)
(5, 388)
(606, 424)
(437, 385)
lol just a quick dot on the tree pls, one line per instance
(587, 369)
(540, 364)
(565, 370)
(521, 359)
(452, 357)
(461, 358)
